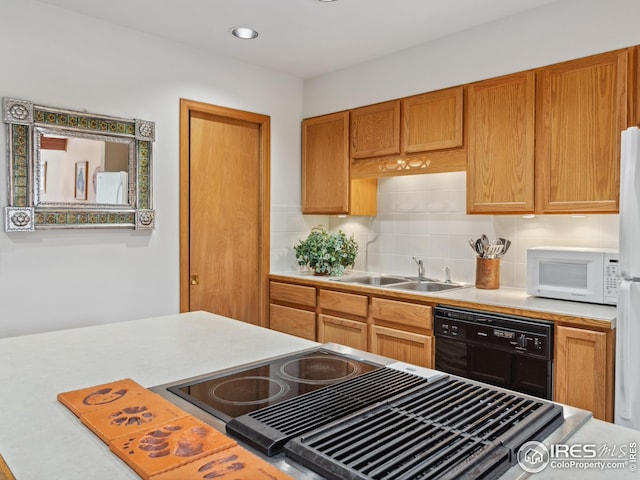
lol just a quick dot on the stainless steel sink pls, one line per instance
(428, 286)
(375, 280)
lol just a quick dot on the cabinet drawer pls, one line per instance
(343, 302)
(285, 292)
(410, 314)
(343, 331)
(300, 323)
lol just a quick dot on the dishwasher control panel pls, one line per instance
(517, 334)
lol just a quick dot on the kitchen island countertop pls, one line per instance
(41, 438)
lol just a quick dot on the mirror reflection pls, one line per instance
(83, 170)
(73, 169)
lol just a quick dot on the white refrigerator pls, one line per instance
(627, 393)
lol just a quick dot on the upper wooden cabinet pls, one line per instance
(501, 149)
(375, 130)
(432, 121)
(327, 187)
(581, 111)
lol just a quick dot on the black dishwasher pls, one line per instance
(503, 350)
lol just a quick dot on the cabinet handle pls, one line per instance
(194, 280)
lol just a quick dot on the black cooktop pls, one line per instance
(229, 395)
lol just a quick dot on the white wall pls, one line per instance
(413, 218)
(59, 279)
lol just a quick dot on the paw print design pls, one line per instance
(138, 415)
(222, 467)
(157, 443)
(103, 396)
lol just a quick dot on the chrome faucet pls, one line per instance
(420, 269)
(447, 275)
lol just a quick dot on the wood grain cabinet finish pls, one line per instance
(410, 347)
(290, 293)
(342, 318)
(432, 121)
(581, 110)
(343, 331)
(292, 309)
(403, 313)
(584, 370)
(327, 187)
(501, 150)
(375, 130)
(402, 331)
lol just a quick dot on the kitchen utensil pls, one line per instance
(492, 251)
(507, 244)
(479, 247)
(485, 241)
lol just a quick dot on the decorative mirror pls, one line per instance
(71, 169)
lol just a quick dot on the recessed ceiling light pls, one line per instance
(244, 32)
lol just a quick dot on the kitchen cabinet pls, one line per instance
(342, 318)
(292, 309)
(432, 121)
(581, 110)
(419, 134)
(375, 130)
(327, 187)
(584, 370)
(501, 149)
(402, 330)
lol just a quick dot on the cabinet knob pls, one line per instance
(195, 280)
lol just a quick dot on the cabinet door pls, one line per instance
(501, 122)
(582, 376)
(293, 321)
(342, 331)
(325, 164)
(404, 346)
(375, 130)
(582, 108)
(432, 121)
(326, 184)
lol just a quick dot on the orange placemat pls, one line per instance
(100, 396)
(182, 440)
(132, 415)
(234, 463)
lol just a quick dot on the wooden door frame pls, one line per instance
(264, 123)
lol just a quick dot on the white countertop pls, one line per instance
(42, 439)
(509, 297)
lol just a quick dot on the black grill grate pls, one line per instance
(447, 429)
(270, 428)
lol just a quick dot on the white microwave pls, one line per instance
(580, 274)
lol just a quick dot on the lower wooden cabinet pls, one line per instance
(293, 321)
(404, 346)
(584, 370)
(292, 309)
(351, 333)
(402, 330)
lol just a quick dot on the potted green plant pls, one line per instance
(326, 253)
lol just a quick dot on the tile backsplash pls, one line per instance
(425, 216)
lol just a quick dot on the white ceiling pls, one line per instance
(303, 38)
